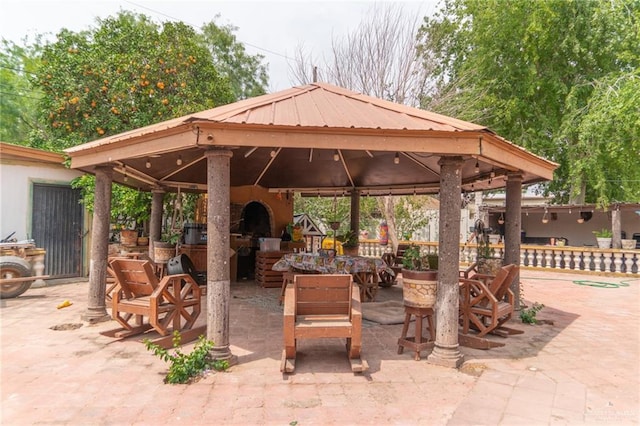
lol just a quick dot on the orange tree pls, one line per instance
(127, 73)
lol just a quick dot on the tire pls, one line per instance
(14, 267)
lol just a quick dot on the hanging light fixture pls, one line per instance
(124, 171)
(477, 168)
(148, 164)
(336, 156)
(179, 160)
(396, 159)
(501, 219)
(545, 216)
(272, 153)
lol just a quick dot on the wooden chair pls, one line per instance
(322, 306)
(139, 293)
(393, 261)
(487, 302)
(111, 278)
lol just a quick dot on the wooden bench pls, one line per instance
(139, 293)
(322, 306)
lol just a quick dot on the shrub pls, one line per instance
(185, 367)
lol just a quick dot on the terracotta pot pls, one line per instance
(419, 288)
(352, 251)
(143, 241)
(128, 237)
(162, 251)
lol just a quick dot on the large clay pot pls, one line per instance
(128, 237)
(162, 251)
(352, 250)
(419, 288)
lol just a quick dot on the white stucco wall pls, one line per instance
(16, 189)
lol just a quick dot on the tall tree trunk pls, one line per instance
(577, 195)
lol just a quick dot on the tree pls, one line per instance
(380, 58)
(127, 73)
(130, 72)
(247, 74)
(18, 100)
(530, 70)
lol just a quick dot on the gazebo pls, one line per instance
(316, 139)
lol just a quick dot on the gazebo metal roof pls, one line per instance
(314, 139)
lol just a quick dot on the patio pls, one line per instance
(582, 369)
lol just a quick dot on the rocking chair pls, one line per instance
(138, 293)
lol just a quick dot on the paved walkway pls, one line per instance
(583, 369)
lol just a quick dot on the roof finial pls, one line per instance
(315, 74)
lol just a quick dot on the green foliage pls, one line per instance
(558, 77)
(414, 260)
(484, 249)
(246, 74)
(349, 239)
(410, 212)
(183, 367)
(603, 233)
(130, 208)
(528, 316)
(127, 73)
(18, 103)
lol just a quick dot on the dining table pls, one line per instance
(365, 270)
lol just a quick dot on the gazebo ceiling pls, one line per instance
(314, 139)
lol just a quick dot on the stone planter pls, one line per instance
(489, 266)
(604, 243)
(162, 251)
(628, 244)
(419, 288)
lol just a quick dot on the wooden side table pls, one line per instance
(417, 343)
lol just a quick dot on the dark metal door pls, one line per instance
(56, 226)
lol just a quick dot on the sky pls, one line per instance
(274, 29)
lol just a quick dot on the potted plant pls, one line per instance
(129, 237)
(604, 237)
(165, 249)
(419, 281)
(486, 258)
(349, 243)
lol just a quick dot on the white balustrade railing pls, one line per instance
(536, 257)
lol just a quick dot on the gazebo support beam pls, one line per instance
(96, 306)
(218, 273)
(446, 350)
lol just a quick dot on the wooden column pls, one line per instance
(355, 212)
(446, 350)
(155, 221)
(218, 275)
(512, 228)
(96, 306)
